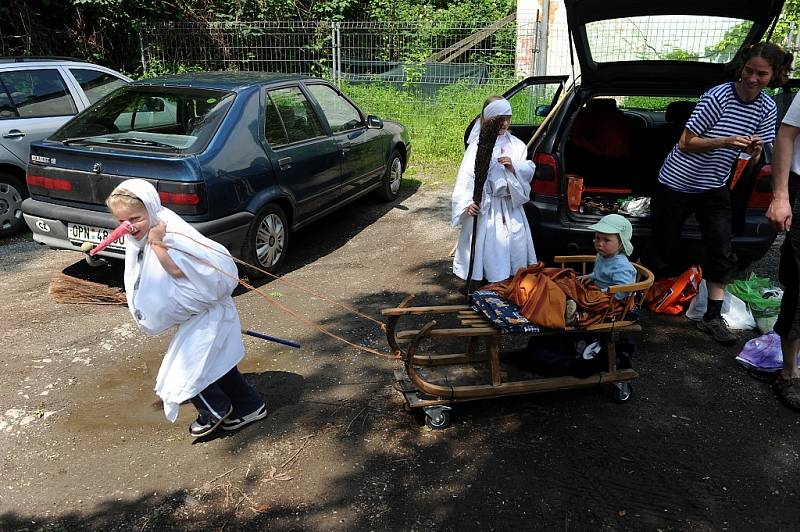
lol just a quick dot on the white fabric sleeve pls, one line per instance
(209, 275)
(792, 116)
(465, 182)
(520, 184)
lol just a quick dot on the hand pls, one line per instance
(584, 279)
(157, 232)
(756, 146)
(505, 161)
(780, 214)
(738, 142)
(473, 209)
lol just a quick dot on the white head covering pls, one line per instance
(499, 107)
(149, 196)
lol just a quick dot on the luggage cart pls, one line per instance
(433, 381)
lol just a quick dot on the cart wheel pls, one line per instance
(437, 417)
(622, 391)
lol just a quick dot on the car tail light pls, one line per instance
(183, 198)
(544, 180)
(49, 183)
(762, 191)
(177, 198)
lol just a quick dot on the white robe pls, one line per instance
(208, 341)
(504, 242)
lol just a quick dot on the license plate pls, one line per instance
(79, 233)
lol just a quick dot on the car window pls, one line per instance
(7, 108)
(151, 118)
(95, 83)
(37, 93)
(531, 104)
(340, 113)
(273, 125)
(296, 114)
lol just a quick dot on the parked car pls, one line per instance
(37, 96)
(244, 157)
(614, 126)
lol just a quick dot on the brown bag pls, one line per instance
(538, 297)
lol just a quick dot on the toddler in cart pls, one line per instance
(176, 277)
(612, 241)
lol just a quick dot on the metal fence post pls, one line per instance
(141, 52)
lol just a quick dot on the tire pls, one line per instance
(392, 179)
(438, 422)
(267, 241)
(12, 192)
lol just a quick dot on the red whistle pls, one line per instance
(124, 228)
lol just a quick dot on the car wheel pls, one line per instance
(12, 192)
(392, 179)
(267, 241)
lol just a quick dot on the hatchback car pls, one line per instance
(37, 96)
(613, 127)
(244, 157)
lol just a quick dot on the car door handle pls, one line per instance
(14, 134)
(285, 163)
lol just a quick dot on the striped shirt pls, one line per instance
(719, 113)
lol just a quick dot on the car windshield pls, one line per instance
(160, 119)
(667, 37)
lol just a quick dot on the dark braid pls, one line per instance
(486, 140)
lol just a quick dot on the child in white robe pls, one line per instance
(504, 241)
(174, 276)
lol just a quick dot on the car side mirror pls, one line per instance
(542, 110)
(373, 122)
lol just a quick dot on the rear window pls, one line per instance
(170, 119)
(667, 37)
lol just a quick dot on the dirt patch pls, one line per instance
(700, 446)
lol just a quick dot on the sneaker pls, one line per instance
(205, 424)
(234, 423)
(718, 329)
(788, 391)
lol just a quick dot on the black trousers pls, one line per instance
(229, 390)
(669, 210)
(787, 326)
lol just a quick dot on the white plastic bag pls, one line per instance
(734, 310)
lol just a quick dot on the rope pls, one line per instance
(274, 302)
(293, 285)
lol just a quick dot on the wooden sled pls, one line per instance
(433, 381)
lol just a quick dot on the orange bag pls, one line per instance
(672, 296)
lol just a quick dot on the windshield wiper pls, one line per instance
(67, 142)
(141, 142)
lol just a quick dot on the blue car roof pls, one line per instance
(227, 81)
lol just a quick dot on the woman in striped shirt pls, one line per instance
(730, 119)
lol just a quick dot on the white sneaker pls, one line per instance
(233, 423)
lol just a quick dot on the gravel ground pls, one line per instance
(700, 446)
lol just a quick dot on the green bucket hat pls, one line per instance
(615, 224)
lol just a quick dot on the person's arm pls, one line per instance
(156, 239)
(689, 142)
(779, 211)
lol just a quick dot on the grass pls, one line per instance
(436, 123)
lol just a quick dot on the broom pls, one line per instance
(486, 141)
(71, 290)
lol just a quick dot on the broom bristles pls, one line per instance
(66, 289)
(486, 141)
